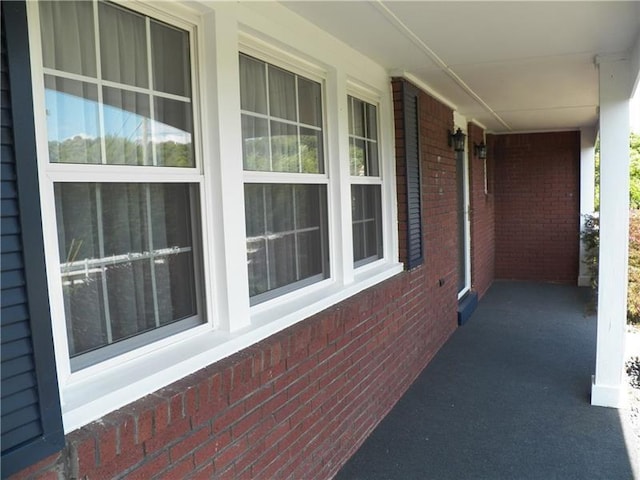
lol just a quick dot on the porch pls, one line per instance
(508, 396)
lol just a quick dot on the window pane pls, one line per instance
(373, 243)
(311, 151)
(372, 122)
(282, 260)
(253, 85)
(170, 200)
(127, 258)
(127, 126)
(68, 37)
(123, 46)
(83, 294)
(257, 265)
(363, 133)
(131, 309)
(372, 159)
(255, 143)
(282, 93)
(176, 299)
(284, 147)
(367, 223)
(309, 205)
(172, 133)
(357, 118)
(82, 287)
(170, 59)
(309, 243)
(72, 121)
(357, 152)
(292, 147)
(254, 210)
(125, 223)
(279, 208)
(293, 247)
(359, 242)
(309, 102)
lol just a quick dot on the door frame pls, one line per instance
(467, 210)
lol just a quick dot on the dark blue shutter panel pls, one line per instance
(31, 419)
(411, 103)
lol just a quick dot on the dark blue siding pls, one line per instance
(31, 421)
(411, 101)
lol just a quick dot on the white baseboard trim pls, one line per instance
(606, 395)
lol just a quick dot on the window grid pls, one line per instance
(152, 104)
(268, 118)
(266, 243)
(362, 181)
(103, 276)
(99, 86)
(295, 123)
(70, 273)
(368, 138)
(152, 263)
(364, 222)
(300, 266)
(100, 83)
(295, 232)
(100, 265)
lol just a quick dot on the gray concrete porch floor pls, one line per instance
(507, 397)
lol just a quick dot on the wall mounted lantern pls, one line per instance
(456, 140)
(480, 151)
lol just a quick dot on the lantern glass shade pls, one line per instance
(481, 151)
(457, 140)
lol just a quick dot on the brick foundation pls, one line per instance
(296, 405)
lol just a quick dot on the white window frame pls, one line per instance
(219, 33)
(345, 278)
(53, 173)
(359, 92)
(273, 177)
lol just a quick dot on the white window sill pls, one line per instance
(86, 400)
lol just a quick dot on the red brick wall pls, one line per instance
(482, 215)
(537, 195)
(439, 198)
(298, 404)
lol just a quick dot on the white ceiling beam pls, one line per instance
(433, 56)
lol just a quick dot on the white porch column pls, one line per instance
(587, 192)
(615, 91)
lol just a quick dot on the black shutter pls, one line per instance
(411, 102)
(31, 419)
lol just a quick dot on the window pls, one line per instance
(366, 181)
(118, 95)
(147, 220)
(286, 218)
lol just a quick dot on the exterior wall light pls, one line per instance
(480, 151)
(456, 140)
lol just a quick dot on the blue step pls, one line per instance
(466, 306)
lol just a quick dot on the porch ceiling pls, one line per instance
(512, 66)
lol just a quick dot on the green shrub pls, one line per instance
(633, 298)
(591, 239)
